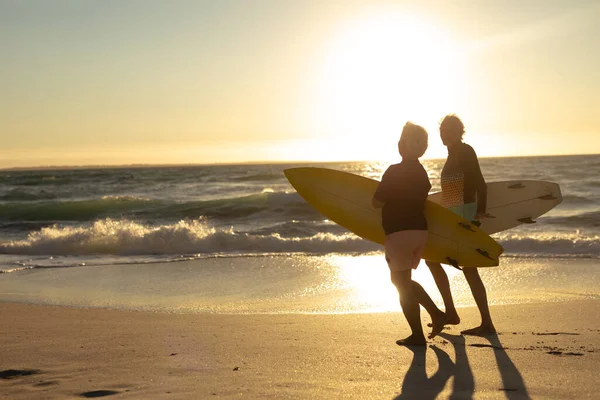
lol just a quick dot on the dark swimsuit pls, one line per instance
(403, 190)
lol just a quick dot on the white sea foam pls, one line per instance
(124, 237)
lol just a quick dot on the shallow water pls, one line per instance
(287, 284)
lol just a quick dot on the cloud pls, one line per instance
(556, 26)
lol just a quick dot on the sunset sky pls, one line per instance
(119, 82)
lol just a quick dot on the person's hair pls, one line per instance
(452, 123)
(414, 138)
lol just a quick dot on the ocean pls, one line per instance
(63, 222)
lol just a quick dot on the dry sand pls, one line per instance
(543, 351)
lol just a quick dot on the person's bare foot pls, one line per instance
(481, 330)
(437, 324)
(451, 319)
(412, 340)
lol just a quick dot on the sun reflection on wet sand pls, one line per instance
(366, 279)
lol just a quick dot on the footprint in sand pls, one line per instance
(99, 393)
(560, 353)
(556, 333)
(46, 383)
(17, 373)
(488, 345)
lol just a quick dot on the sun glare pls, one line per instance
(381, 71)
(368, 279)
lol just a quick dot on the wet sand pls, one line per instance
(543, 351)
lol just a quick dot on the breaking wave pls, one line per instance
(126, 237)
(123, 237)
(551, 245)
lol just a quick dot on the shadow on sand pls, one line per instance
(417, 385)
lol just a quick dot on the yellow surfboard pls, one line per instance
(346, 199)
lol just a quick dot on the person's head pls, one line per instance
(413, 141)
(451, 130)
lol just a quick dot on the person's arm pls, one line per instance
(478, 181)
(384, 190)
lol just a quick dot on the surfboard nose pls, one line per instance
(290, 173)
(300, 174)
(293, 175)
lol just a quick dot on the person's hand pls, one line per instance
(482, 215)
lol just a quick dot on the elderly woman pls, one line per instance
(465, 193)
(401, 195)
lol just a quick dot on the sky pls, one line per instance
(224, 81)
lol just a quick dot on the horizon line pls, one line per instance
(261, 162)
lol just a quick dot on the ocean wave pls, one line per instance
(258, 177)
(289, 205)
(83, 210)
(581, 221)
(280, 204)
(123, 237)
(125, 198)
(126, 238)
(15, 269)
(39, 180)
(550, 245)
(24, 225)
(295, 228)
(23, 195)
(574, 199)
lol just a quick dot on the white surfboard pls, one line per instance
(512, 203)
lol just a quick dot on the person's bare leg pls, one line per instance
(410, 307)
(480, 295)
(438, 317)
(441, 280)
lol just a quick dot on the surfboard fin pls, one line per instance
(485, 254)
(526, 220)
(453, 262)
(516, 186)
(466, 226)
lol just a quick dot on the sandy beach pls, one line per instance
(543, 351)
